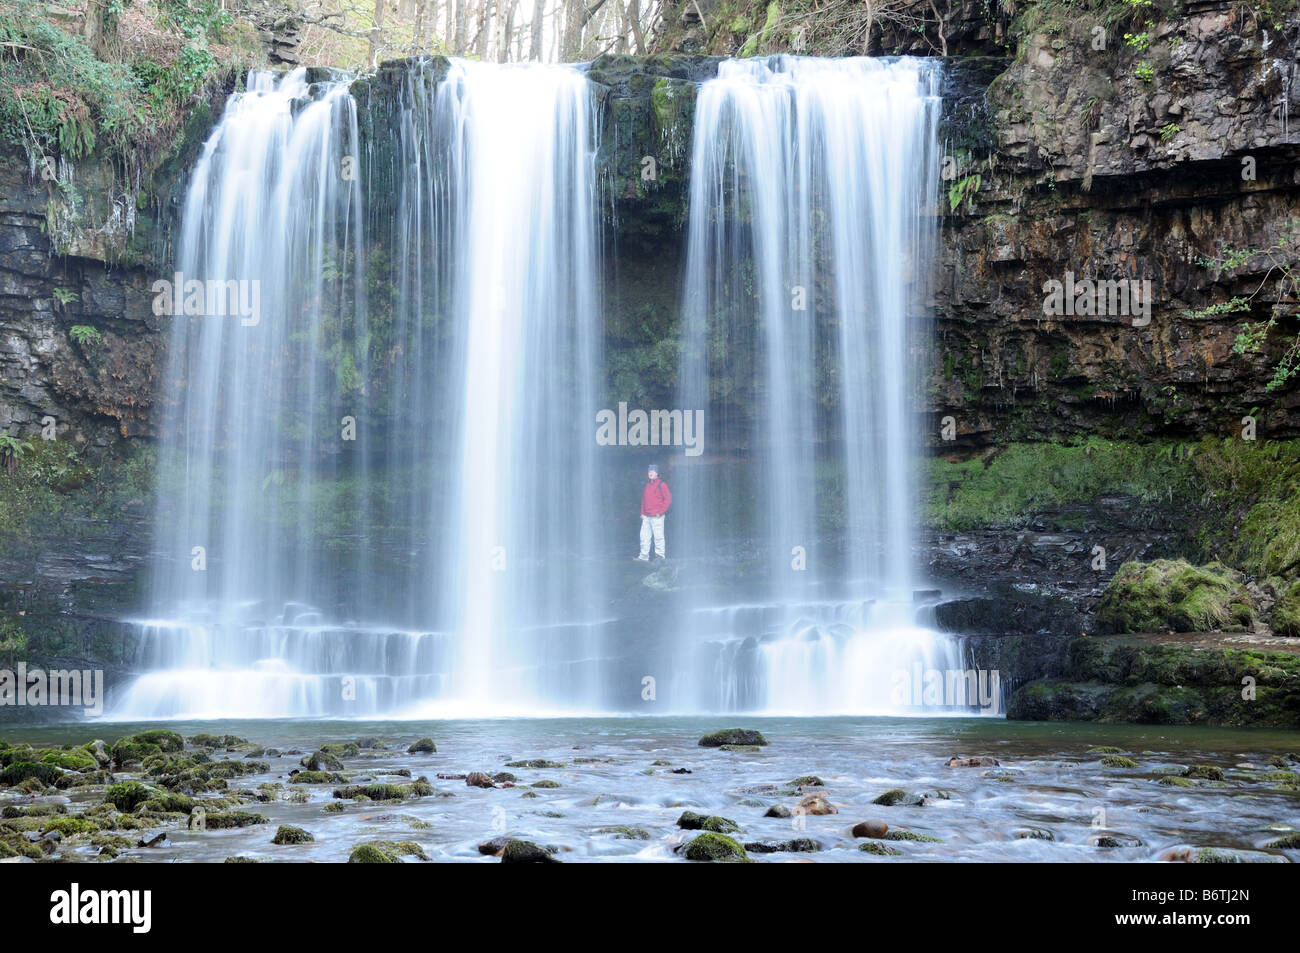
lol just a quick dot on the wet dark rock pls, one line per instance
(477, 779)
(494, 846)
(982, 761)
(690, 821)
(905, 835)
(1034, 833)
(870, 828)
(423, 746)
(896, 796)
(799, 845)
(777, 810)
(733, 736)
(1115, 840)
(526, 852)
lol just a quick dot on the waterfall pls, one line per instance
(809, 243)
(379, 488)
(371, 506)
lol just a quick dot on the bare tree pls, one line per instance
(462, 27)
(539, 16)
(507, 31)
(484, 29)
(376, 32)
(634, 22)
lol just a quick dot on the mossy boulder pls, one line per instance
(807, 781)
(228, 742)
(732, 736)
(318, 777)
(375, 792)
(71, 826)
(1118, 761)
(369, 854)
(286, 834)
(690, 821)
(1285, 616)
(322, 760)
(1174, 595)
(900, 834)
(29, 771)
(225, 820)
(1150, 680)
(70, 760)
(526, 852)
(715, 847)
(799, 845)
(623, 832)
(127, 795)
(423, 746)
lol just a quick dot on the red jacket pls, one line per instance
(656, 498)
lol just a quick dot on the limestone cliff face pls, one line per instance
(1125, 162)
(1109, 160)
(79, 249)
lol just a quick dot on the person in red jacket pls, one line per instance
(655, 501)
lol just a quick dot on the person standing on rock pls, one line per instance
(656, 498)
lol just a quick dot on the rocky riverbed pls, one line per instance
(649, 789)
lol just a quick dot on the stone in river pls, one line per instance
(871, 828)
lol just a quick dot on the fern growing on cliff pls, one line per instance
(1279, 266)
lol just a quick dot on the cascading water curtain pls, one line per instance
(374, 501)
(809, 240)
(518, 564)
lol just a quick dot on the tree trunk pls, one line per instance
(484, 29)
(100, 29)
(507, 33)
(462, 27)
(571, 40)
(375, 32)
(539, 16)
(634, 20)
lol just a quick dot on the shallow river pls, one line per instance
(610, 777)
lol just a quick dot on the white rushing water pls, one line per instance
(437, 556)
(378, 493)
(809, 242)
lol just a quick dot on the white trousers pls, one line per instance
(652, 526)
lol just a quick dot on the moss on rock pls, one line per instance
(287, 834)
(1172, 594)
(715, 847)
